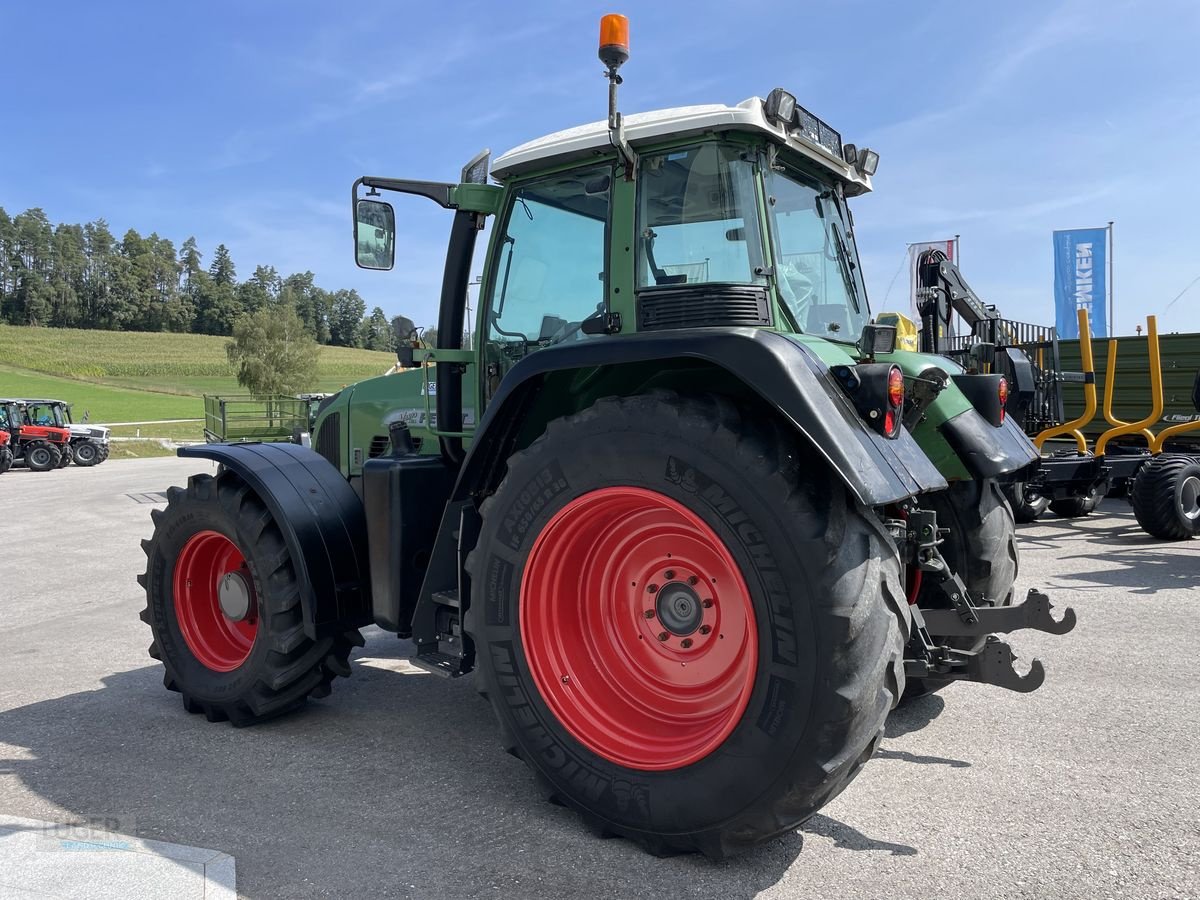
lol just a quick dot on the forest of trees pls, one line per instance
(81, 276)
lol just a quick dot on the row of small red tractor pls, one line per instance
(41, 435)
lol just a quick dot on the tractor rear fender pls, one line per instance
(322, 521)
(784, 374)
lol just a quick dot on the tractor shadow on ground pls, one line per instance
(910, 716)
(847, 838)
(394, 786)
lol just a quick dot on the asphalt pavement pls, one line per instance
(395, 786)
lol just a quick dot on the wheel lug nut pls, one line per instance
(662, 635)
(707, 604)
(692, 579)
(705, 629)
(649, 614)
(670, 573)
(652, 589)
(685, 643)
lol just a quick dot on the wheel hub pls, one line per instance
(234, 595)
(678, 608)
(1189, 498)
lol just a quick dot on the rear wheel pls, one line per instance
(1078, 506)
(86, 453)
(981, 548)
(1166, 497)
(687, 633)
(41, 456)
(223, 603)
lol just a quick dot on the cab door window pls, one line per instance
(548, 268)
(698, 218)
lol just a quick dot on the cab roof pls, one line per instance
(585, 141)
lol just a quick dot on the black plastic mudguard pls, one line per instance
(783, 371)
(322, 523)
(986, 450)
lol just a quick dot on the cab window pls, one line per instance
(548, 269)
(816, 272)
(697, 219)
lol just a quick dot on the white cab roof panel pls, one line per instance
(649, 127)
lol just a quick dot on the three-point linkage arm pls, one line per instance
(941, 290)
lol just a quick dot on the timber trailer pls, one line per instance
(88, 444)
(1162, 486)
(694, 520)
(40, 447)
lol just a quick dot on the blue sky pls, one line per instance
(247, 122)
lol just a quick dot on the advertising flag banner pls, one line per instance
(914, 253)
(1080, 280)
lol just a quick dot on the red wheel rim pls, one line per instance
(651, 692)
(217, 641)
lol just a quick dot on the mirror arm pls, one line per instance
(439, 192)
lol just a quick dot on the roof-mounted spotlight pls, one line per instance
(780, 106)
(867, 161)
(850, 153)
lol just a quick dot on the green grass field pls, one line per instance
(139, 376)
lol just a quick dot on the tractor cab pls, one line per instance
(696, 217)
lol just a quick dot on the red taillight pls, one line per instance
(896, 387)
(1002, 390)
(895, 400)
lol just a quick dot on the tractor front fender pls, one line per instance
(783, 372)
(323, 526)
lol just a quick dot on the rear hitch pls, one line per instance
(968, 614)
(1033, 613)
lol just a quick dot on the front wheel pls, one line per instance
(65, 457)
(41, 456)
(686, 632)
(6, 459)
(223, 603)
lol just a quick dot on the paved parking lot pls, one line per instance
(395, 785)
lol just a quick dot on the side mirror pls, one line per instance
(374, 234)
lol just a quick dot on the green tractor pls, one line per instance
(690, 518)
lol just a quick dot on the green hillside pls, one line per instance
(139, 376)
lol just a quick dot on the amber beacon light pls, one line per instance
(614, 40)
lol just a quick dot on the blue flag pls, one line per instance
(1080, 280)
